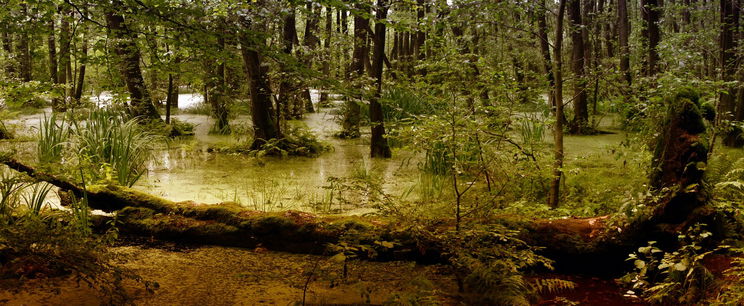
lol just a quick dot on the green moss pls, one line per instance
(690, 116)
(133, 213)
(708, 111)
(272, 224)
(224, 212)
(689, 93)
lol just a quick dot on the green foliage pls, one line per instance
(35, 199)
(53, 136)
(733, 288)
(114, 147)
(48, 243)
(490, 262)
(19, 95)
(676, 277)
(399, 103)
(10, 185)
(297, 141)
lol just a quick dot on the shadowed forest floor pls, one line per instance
(230, 276)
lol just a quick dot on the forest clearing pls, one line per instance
(371, 152)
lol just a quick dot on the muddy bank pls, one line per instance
(230, 276)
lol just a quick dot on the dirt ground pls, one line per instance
(229, 276)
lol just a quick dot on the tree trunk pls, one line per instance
(286, 86)
(623, 35)
(555, 184)
(352, 115)
(263, 124)
(311, 42)
(7, 41)
(327, 56)
(651, 13)
(580, 124)
(729, 64)
(379, 145)
(129, 56)
(64, 74)
(81, 72)
(57, 103)
(218, 98)
(26, 66)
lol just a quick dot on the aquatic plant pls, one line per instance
(52, 137)
(36, 197)
(10, 185)
(107, 138)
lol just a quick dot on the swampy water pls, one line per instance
(185, 169)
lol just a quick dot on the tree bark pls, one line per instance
(555, 184)
(287, 89)
(64, 74)
(264, 128)
(352, 115)
(217, 86)
(651, 13)
(729, 37)
(24, 50)
(623, 35)
(327, 47)
(78, 94)
(379, 146)
(580, 124)
(141, 104)
(57, 103)
(311, 42)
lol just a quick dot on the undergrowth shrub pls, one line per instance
(490, 263)
(49, 243)
(674, 276)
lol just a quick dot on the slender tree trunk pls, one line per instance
(26, 66)
(542, 33)
(129, 56)
(7, 41)
(580, 124)
(379, 145)
(327, 47)
(263, 123)
(169, 99)
(353, 112)
(651, 13)
(729, 64)
(57, 102)
(311, 42)
(218, 88)
(65, 64)
(555, 184)
(81, 72)
(286, 86)
(623, 35)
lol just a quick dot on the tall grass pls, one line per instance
(10, 185)
(531, 130)
(400, 103)
(107, 138)
(36, 197)
(52, 137)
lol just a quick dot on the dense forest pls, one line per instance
(383, 152)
